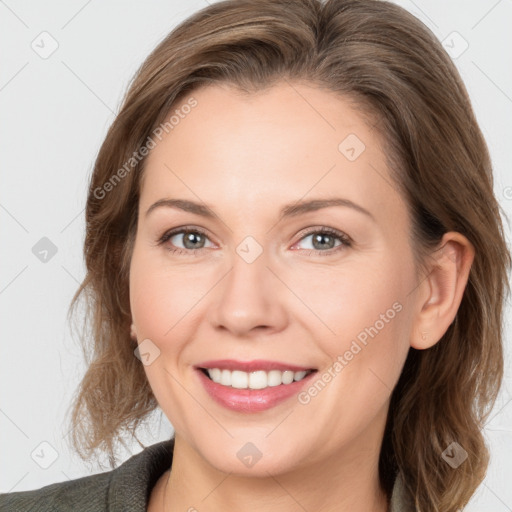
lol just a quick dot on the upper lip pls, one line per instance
(251, 366)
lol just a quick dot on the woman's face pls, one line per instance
(262, 280)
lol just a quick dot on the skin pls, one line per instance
(246, 157)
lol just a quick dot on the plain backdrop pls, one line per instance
(65, 67)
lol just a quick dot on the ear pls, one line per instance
(441, 291)
(133, 332)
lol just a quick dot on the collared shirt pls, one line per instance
(124, 489)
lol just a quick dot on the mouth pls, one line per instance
(252, 386)
(258, 379)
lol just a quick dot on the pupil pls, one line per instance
(191, 237)
(319, 237)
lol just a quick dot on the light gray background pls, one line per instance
(55, 112)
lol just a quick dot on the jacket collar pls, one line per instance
(131, 483)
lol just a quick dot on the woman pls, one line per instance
(356, 376)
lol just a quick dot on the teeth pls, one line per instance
(254, 380)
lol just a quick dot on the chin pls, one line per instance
(243, 457)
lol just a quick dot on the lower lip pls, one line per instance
(251, 400)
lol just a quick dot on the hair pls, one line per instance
(393, 69)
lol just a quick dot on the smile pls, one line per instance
(252, 386)
(254, 380)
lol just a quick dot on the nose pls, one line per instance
(250, 299)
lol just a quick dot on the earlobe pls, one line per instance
(133, 332)
(442, 290)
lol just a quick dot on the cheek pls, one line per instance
(355, 297)
(165, 301)
(365, 345)
(364, 315)
(372, 327)
(157, 293)
(161, 303)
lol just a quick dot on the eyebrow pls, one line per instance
(289, 210)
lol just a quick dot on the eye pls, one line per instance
(323, 240)
(193, 239)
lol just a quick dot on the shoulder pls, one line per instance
(401, 501)
(91, 490)
(125, 488)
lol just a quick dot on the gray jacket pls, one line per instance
(123, 489)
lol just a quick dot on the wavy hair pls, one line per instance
(392, 67)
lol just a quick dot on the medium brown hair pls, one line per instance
(382, 59)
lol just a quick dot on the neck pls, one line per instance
(347, 481)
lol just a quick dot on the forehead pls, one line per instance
(279, 144)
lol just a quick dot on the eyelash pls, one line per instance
(346, 240)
